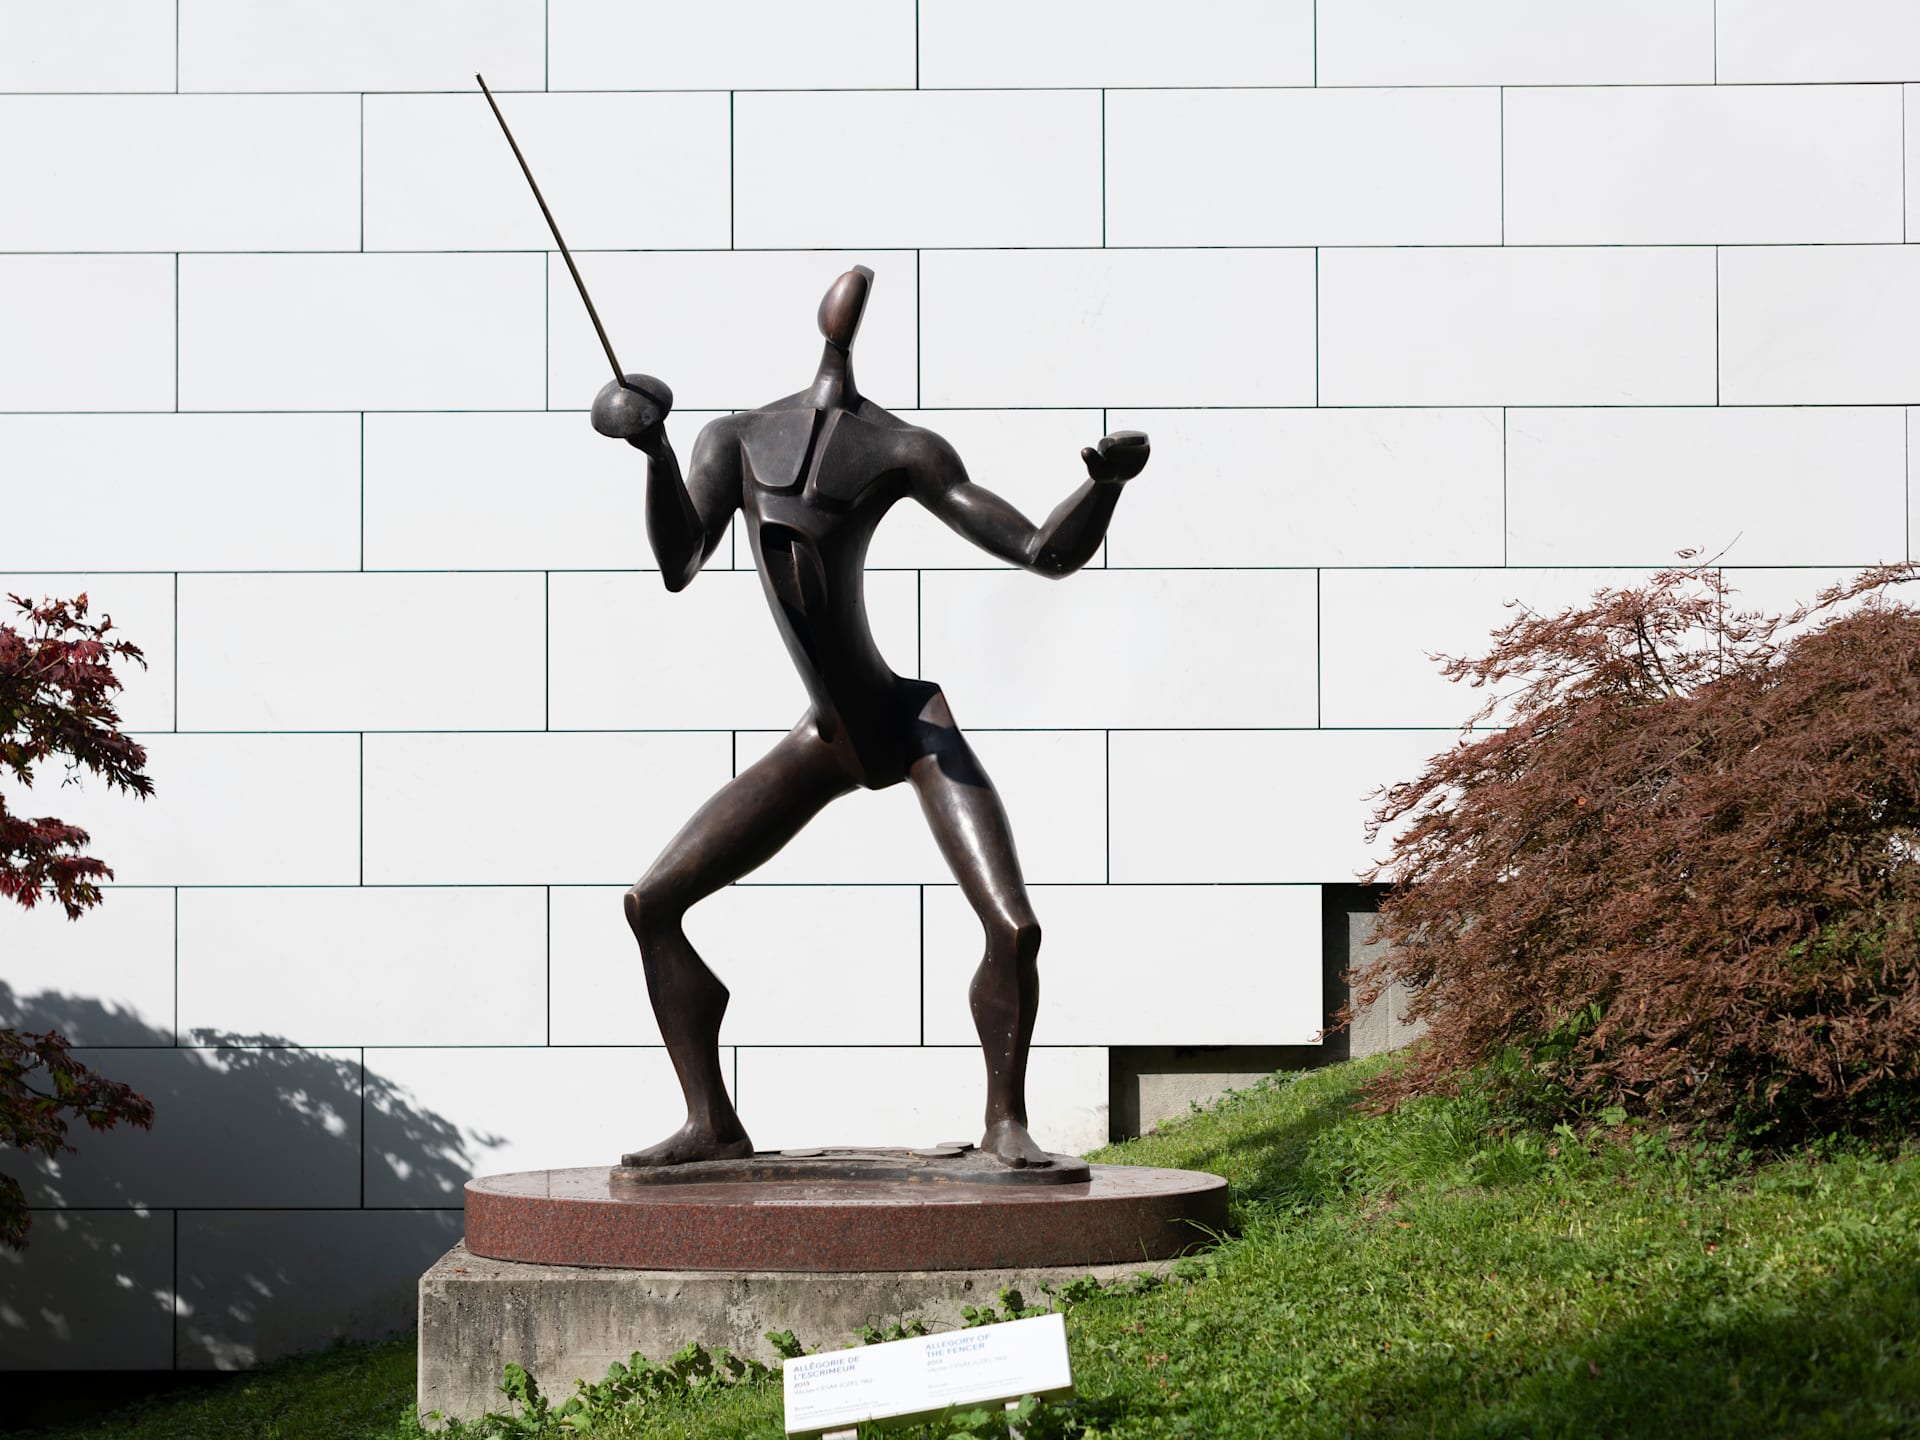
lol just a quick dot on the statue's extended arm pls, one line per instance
(686, 516)
(1070, 535)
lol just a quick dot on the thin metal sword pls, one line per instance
(565, 254)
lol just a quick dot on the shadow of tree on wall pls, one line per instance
(284, 1197)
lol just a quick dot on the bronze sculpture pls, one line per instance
(813, 474)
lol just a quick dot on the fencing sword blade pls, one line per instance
(565, 254)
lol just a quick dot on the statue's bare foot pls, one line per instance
(690, 1142)
(1008, 1139)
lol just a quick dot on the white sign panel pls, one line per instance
(905, 1379)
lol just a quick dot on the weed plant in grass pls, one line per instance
(1438, 1271)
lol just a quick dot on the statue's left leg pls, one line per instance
(971, 829)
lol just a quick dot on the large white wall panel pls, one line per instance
(362, 652)
(439, 175)
(141, 608)
(354, 966)
(729, 45)
(629, 654)
(1303, 167)
(196, 172)
(1515, 42)
(360, 44)
(190, 492)
(1799, 40)
(1105, 327)
(105, 979)
(528, 491)
(1429, 613)
(229, 810)
(1645, 165)
(1819, 325)
(973, 168)
(807, 965)
(1911, 110)
(438, 1117)
(728, 331)
(1122, 648)
(362, 332)
(1254, 805)
(1115, 42)
(1030, 458)
(110, 45)
(87, 332)
(294, 1114)
(1147, 965)
(1053, 784)
(1799, 486)
(1312, 487)
(530, 809)
(846, 1095)
(1516, 326)
(106, 1279)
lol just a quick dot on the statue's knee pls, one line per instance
(1015, 936)
(1026, 939)
(647, 904)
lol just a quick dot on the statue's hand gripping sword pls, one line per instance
(658, 396)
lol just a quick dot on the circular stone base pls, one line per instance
(586, 1217)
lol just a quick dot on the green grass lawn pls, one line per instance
(1433, 1273)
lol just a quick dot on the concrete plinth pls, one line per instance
(567, 1322)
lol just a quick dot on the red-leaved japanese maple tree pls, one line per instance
(56, 704)
(1684, 876)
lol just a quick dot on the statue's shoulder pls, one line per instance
(908, 444)
(722, 429)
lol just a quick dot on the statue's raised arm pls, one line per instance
(1071, 534)
(686, 516)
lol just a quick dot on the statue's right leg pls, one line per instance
(738, 830)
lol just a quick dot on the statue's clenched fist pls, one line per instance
(632, 409)
(1119, 457)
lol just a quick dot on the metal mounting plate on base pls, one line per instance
(932, 1165)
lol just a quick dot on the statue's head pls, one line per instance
(842, 306)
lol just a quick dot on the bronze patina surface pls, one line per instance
(810, 477)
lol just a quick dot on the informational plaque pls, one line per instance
(911, 1379)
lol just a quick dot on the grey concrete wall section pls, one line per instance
(1153, 1083)
(1381, 1026)
(1150, 1084)
(566, 1323)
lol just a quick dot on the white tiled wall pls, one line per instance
(1428, 305)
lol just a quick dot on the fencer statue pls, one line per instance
(812, 475)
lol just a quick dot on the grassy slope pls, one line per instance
(1423, 1275)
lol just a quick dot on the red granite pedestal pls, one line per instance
(778, 1216)
(566, 1271)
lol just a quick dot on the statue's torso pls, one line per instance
(814, 486)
